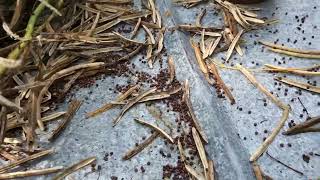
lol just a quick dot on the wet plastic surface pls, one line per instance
(233, 134)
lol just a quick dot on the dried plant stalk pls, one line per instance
(28, 173)
(202, 64)
(253, 80)
(186, 99)
(72, 109)
(141, 146)
(171, 68)
(213, 69)
(24, 160)
(74, 168)
(300, 85)
(211, 170)
(297, 71)
(201, 150)
(304, 127)
(162, 132)
(132, 103)
(295, 54)
(108, 106)
(257, 171)
(233, 44)
(263, 147)
(274, 46)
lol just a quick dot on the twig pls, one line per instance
(74, 168)
(141, 146)
(257, 171)
(28, 173)
(263, 147)
(300, 85)
(299, 172)
(24, 160)
(304, 127)
(253, 80)
(72, 109)
(211, 170)
(162, 132)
